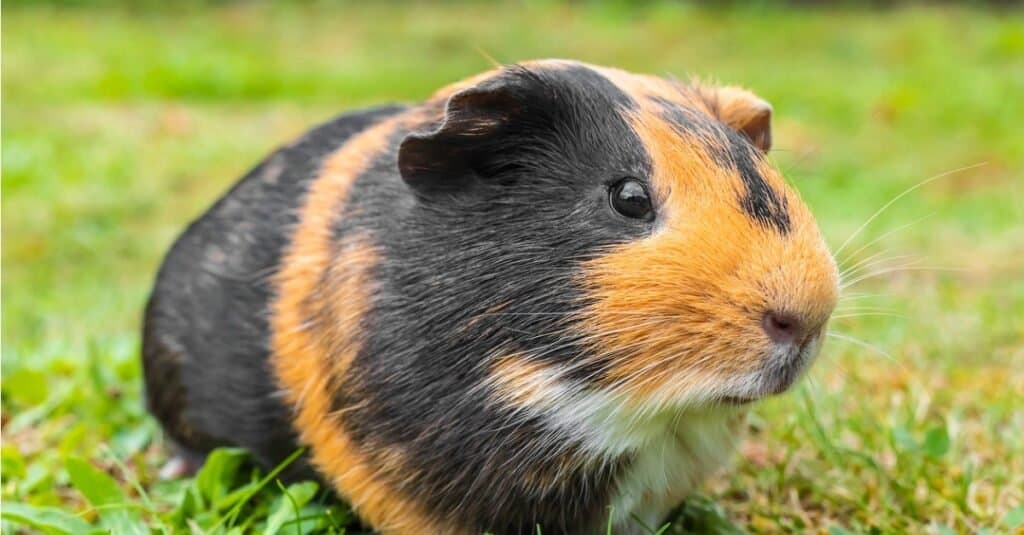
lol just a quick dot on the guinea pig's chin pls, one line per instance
(780, 369)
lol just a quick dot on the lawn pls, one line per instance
(121, 125)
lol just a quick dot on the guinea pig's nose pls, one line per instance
(783, 328)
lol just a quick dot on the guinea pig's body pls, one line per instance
(543, 297)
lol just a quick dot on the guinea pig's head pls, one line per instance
(638, 233)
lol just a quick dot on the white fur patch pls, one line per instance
(674, 448)
(674, 464)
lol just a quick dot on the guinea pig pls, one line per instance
(545, 297)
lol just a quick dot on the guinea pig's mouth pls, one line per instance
(778, 373)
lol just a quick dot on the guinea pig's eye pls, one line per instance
(629, 197)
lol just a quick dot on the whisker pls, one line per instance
(900, 196)
(911, 377)
(902, 269)
(865, 314)
(834, 364)
(881, 261)
(850, 313)
(861, 261)
(864, 309)
(887, 234)
(861, 295)
(845, 282)
(861, 343)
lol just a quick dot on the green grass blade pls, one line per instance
(46, 519)
(289, 506)
(116, 512)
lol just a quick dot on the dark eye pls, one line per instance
(629, 197)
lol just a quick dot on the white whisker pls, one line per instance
(900, 269)
(862, 261)
(866, 314)
(887, 234)
(900, 196)
(861, 343)
(861, 295)
(862, 267)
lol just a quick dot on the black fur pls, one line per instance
(533, 206)
(205, 337)
(761, 201)
(733, 150)
(530, 205)
(480, 224)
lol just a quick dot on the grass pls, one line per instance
(121, 125)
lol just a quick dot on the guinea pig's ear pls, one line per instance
(748, 114)
(475, 139)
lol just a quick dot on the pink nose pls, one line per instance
(784, 329)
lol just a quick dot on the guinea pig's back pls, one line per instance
(206, 335)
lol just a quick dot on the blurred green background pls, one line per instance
(121, 124)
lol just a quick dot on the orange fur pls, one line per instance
(670, 312)
(746, 113)
(308, 355)
(643, 86)
(683, 306)
(517, 380)
(734, 106)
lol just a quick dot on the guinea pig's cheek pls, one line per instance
(650, 338)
